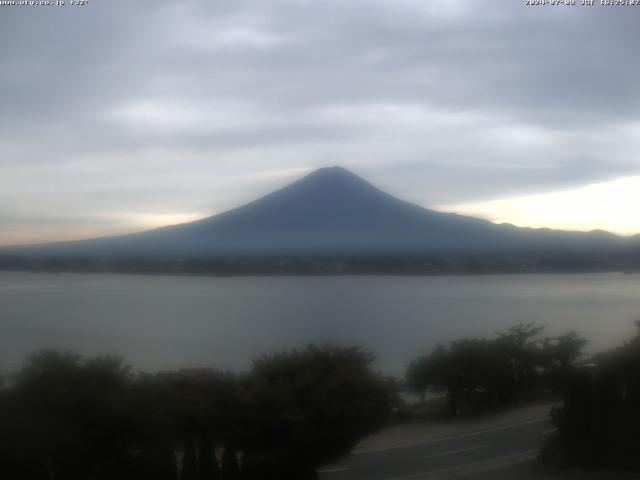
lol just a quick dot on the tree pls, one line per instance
(193, 408)
(560, 355)
(75, 418)
(311, 407)
(70, 419)
(599, 424)
(520, 346)
(476, 373)
(428, 373)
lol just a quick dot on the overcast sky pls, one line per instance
(119, 115)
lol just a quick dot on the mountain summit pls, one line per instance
(330, 211)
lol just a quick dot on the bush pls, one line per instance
(477, 374)
(600, 422)
(74, 418)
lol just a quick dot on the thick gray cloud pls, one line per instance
(167, 108)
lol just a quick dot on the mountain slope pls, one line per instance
(330, 211)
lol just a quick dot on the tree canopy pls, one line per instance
(487, 372)
(65, 416)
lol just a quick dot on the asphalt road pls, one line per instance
(501, 452)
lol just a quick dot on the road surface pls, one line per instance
(499, 451)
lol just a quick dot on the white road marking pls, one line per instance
(454, 437)
(453, 452)
(476, 467)
(551, 430)
(335, 470)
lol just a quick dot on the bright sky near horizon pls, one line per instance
(610, 206)
(122, 116)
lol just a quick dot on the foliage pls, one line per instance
(600, 422)
(312, 406)
(66, 416)
(69, 417)
(484, 373)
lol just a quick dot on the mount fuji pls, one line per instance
(331, 211)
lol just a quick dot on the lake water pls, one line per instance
(159, 322)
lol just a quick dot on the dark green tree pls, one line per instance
(207, 465)
(560, 355)
(70, 413)
(483, 373)
(600, 422)
(311, 407)
(428, 373)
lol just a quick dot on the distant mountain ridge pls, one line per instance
(331, 211)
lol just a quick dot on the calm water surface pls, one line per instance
(160, 322)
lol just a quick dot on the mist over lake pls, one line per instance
(162, 322)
